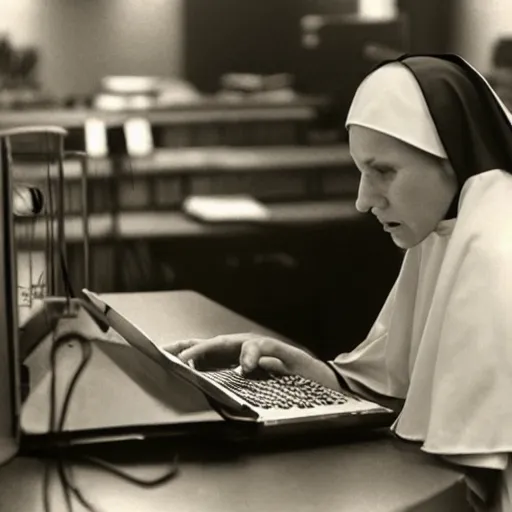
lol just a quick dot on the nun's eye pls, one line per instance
(383, 169)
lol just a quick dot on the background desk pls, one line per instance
(369, 475)
(317, 268)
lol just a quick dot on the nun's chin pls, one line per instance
(402, 244)
(405, 238)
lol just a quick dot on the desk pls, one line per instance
(364, 477)
(372, 475)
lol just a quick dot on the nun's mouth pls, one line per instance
(391, 226)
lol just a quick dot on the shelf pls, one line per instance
(206, 160)
(147, 225)
(358, 19)
(200, 112)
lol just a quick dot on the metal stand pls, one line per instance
(15, 340)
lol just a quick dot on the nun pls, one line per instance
(433, 146)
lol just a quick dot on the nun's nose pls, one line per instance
(369, 196)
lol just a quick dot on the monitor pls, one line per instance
(9, 361)
(12, 305)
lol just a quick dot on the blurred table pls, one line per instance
(371, 472)
(372, 476)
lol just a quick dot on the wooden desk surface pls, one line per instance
(381, 475)
(374, 476)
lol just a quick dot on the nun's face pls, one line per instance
(407, 189)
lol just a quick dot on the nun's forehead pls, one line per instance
(370, 147)
(390, 101)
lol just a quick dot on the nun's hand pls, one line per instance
(253, 352)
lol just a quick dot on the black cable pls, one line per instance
(65, 484)
(51, 208)
(148, 483)
(58, 342)
(32, 229)
(46, 488)
(68, 286)
(76, 491)
(130, 170)
(56, 425)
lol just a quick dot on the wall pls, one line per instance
(478, 24)
(82, 40)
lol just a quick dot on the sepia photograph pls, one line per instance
(255, 256)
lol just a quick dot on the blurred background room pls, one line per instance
(218, 160)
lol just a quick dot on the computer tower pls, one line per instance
(337, 52)
(246, 36)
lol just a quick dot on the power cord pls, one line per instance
(56, 424)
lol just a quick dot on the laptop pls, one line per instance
(272, 402)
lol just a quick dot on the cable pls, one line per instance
(169, 475)
(56, 424)
(65, 484)
(32, 227)
(130, 170)
(51, 278)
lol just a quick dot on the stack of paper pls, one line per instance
(233, 208)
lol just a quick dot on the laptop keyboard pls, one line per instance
(281, 392)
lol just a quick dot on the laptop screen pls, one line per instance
(9, 374)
